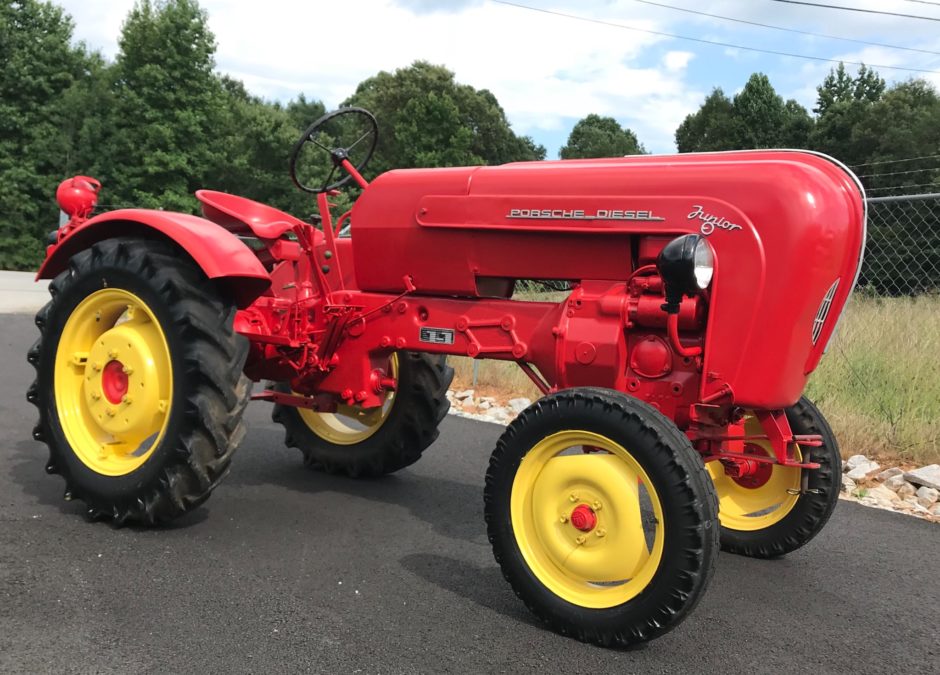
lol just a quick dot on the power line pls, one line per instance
(925, 2)
(788, 30)
(900, 187)
(704, 41)
(898, 173)
(858, 9)
(894, 161)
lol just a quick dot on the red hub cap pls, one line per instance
(114, 381)
(583, 518)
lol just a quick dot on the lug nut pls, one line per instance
(113, 353)
(572, 497)
(128, 370)
(601, 532)
(563, 519)
(581, 539)
(596, 505)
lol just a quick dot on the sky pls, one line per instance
(546, 70)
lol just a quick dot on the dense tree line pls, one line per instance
(890, 136)
(159, 122)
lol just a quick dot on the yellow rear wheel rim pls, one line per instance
(351, 424)
(113, 382)
(615, 560)
(750, 509)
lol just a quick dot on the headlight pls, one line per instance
(686, 264)
(704, 263)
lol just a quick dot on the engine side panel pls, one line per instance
(786, 227)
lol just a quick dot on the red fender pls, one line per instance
(219, 253)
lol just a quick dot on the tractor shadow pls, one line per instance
(452, 509)
(483, 586)
(29, 472)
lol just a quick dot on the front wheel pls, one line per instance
(139, 382)
(769, 514)
(601, 516)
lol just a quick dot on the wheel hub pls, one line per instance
(749, 473)
(583, 518)
(121, 382)
(114, 381)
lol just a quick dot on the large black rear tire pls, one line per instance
(204, 358)
(403, 430)
(812, 509)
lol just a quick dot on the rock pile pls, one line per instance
(916, 492)
(466, 403)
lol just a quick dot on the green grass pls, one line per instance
(878, 385)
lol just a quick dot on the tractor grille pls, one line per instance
(823, 311)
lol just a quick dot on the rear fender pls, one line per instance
(221, 255)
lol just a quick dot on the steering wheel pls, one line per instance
(325, 138)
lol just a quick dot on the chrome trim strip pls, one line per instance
(823, 311)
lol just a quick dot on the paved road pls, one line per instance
(20, 292)
(286, 570)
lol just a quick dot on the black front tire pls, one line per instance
(678, 476)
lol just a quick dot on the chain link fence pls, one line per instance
(880, 382)
(902, 257)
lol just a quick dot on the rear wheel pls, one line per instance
(768, 514)
(601, 516)
(139, 383)
(361, 442)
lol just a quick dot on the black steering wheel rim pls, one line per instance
(336, 154)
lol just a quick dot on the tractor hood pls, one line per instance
(787, 229)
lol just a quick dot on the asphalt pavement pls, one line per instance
(287, 570)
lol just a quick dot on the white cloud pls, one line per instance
(547, 71)
(677, 60)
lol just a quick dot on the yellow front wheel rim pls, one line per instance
(113, 382)
(756, 508)
(351, 424)
(612, 557)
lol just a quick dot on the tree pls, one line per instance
(840, 87)
(303, 113)
(759, 113)
(903, 238)
(38, 68)
(757, 118)
(160, 142)
(842, 103)
(426, 118)
(797, 126)
(709, 128)
(596, 136)
(254, 140)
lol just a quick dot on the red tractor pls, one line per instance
(703, 289)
